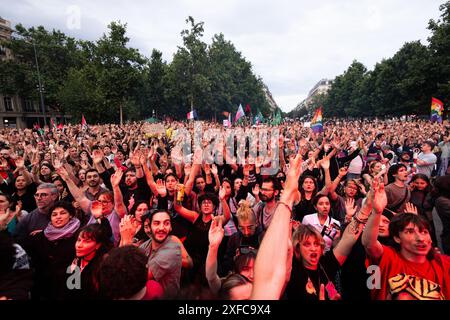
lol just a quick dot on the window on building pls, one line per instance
(29, 105)
(8, 103)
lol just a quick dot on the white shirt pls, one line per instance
(313, 220)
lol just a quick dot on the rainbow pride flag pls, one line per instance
(316, 122)
(437, 108)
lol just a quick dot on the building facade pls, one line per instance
(21, 112)
(321, 87)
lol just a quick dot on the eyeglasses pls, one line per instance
(267, 190)
(245, 250)
(249, 228)
(41, 195)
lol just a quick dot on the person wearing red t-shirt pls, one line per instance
(411, 270)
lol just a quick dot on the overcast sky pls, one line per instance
(291, 44)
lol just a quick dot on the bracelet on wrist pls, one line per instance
(286, 205)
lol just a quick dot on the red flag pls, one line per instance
(60, 126)
(247, 109)
(83, 122)
(226, 113)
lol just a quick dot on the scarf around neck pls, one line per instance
(52, 233)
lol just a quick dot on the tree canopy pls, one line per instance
(99, 78)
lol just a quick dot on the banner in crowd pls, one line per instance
(437, 108)
(316, 123)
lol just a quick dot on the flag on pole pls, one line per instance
(276, 119)
(83, 122)
(60, 126)
(316, 122)
(239, 114)
(192, 115)
(437, 108)
(258, 118)
(247, 109)
(52, 123)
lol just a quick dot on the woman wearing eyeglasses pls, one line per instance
(52, 251)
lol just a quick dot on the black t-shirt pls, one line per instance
(303, 208)
(354, 275)
(305, 284)
(142, 192)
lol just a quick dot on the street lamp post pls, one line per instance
(40, 84)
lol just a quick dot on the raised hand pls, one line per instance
(214, 170)
(410, 208)
(161, 187)
(57, 164)
(255, 189)
(343, 171)
(379, 197)
(96, 209)
(84, 165)
(62, 172)
(127, 228)
(20, 163)
(246, 170)
(222, 193)
(116, 178)
(6, 217)
(97, 156)
(135, 158)
(325, 163)
(291, 193)
(216, 232)
(350, 209)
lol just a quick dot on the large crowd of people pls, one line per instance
(359, 211)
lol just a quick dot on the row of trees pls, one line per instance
(402, 84)
(103, 78)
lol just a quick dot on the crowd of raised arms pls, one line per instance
(360, 211)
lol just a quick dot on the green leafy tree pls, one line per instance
(440, 58)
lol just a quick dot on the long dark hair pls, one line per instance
(302, 191)
(100, 233)
(424, 178)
